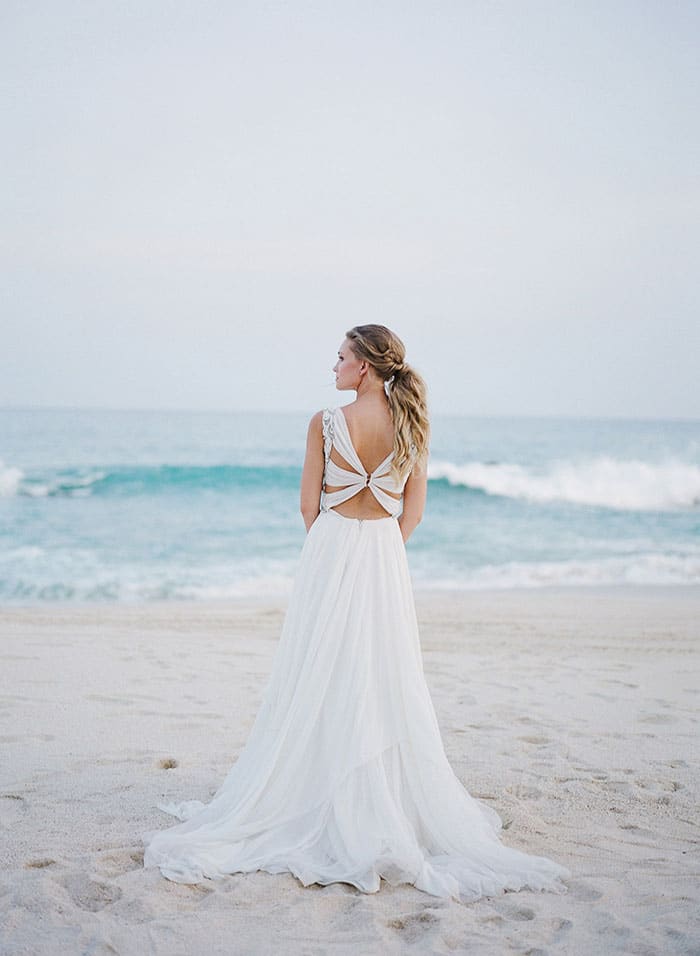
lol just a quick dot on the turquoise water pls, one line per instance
(137, 506)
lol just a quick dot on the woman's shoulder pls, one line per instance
(320, 423)
(318, 418)
(315, 427)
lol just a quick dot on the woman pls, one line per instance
(344, 777)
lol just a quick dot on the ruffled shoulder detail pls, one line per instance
(327, 432)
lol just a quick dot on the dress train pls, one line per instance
(344, 777)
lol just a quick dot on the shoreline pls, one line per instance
(422, 594)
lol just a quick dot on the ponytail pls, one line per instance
(406, 392)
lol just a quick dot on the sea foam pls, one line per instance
(639, 569)
(10, 480)
(606, 482)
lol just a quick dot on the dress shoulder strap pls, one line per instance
(327, 432)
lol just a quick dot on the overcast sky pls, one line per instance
(198, 199)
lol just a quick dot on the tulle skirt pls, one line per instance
(344, 776)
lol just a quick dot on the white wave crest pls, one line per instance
(641, 570)
(10, 480)
(14, 482)
(628, 485)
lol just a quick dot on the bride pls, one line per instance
(344, 777)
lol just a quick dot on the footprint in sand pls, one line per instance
(652, 783)
(493, 918)
(414, 926)
(516, 913)
(90, 894)
(112, 865)
(583, 892)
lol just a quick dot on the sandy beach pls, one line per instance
(573, 713)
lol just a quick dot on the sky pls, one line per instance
(199, 199)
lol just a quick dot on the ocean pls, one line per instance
(138, 506)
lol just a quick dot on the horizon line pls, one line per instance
(296, 412)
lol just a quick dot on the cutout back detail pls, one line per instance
(337, 435)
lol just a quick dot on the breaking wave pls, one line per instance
(605, 482)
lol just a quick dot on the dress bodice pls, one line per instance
(349, 483)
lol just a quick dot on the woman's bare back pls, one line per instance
(371, 431)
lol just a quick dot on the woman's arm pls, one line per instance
(312, 474)
(414, 495)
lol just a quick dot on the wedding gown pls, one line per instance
(344, 777)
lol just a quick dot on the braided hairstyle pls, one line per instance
(406, 392)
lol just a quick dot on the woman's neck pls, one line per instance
(371, 391)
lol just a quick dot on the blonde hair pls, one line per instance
(406, 391)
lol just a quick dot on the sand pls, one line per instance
(573, 713)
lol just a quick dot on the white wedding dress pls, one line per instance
(344, 777)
